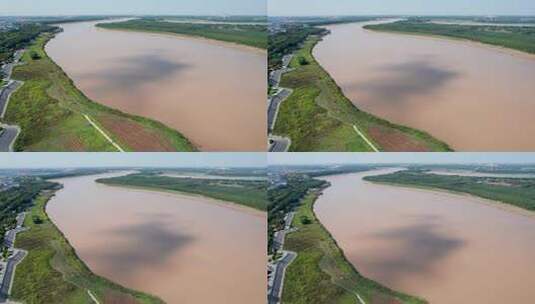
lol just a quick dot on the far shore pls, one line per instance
(196, 197)
(501, 49)
(475, 199)
(216, 42)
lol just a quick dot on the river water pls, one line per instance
(213, 93)
(443, 247)
(183, 249)
(473, 97)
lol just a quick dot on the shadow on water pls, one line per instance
(411, 249)
(150, 242)
(404, 80)
(133, 71)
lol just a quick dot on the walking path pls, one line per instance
(103, 133)
(92, 297)
(365, 139)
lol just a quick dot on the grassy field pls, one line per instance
(53, 273)
(513, 37)
(519, 192)
(250, 35)
(49, 109)
(244, 192)
(321, 273)
(318, 117)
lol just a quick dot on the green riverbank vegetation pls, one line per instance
(51, 272)
(249, 193)
(254, 35)
(519, 192)
(521, 38)
(50, 111)
(318, 117)
(321, 273)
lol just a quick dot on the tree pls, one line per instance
(303, 61)
(305, 220)
(35, 55)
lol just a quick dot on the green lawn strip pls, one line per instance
(250, 35)
(53, 273)
(49, 109)
(520, 192)
(513, 37)
(321, 273)
(318, 117)
(244, 192)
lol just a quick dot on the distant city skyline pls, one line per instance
(79, 160)
(416, 158)
(132, 7)
(399, 7)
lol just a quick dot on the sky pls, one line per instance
(76, 160)
(145, 7)
(400, 7)
(363, 158)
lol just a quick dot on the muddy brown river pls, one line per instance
(444, 247)
(214, 93)
(473, 97)
(180, 248)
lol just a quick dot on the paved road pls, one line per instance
(273, 108)
(9, 133)
(6, 93)
(7, 137)
(10, 271)
(279, 144)
(12, 261)
(280, 270)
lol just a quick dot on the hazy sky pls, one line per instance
(65, 160)
(438, 158)
(158, 7)
(402, 7)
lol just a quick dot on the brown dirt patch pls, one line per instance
(384, 299)
(392, 140)
(114, 297)
(135, 135)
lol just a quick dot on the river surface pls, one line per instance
(446, 248)
(473, 97)
(214, 93)
(183, 249)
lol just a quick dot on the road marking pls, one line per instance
(92, 296)
(365, 139)
(103, 133)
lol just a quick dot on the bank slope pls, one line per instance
(246, 34)
(53, 114)
(321, 273)
(519, 192)
(318, 117)
(53, 273)
(513, 37)
(243, 192)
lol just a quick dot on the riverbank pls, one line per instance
(51, 112)
(516, 41)
(321, 273)
(513, 198)
(317, 98)
(53, 273)
(252, 36)
(249, 194)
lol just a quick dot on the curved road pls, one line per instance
(9, 134)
